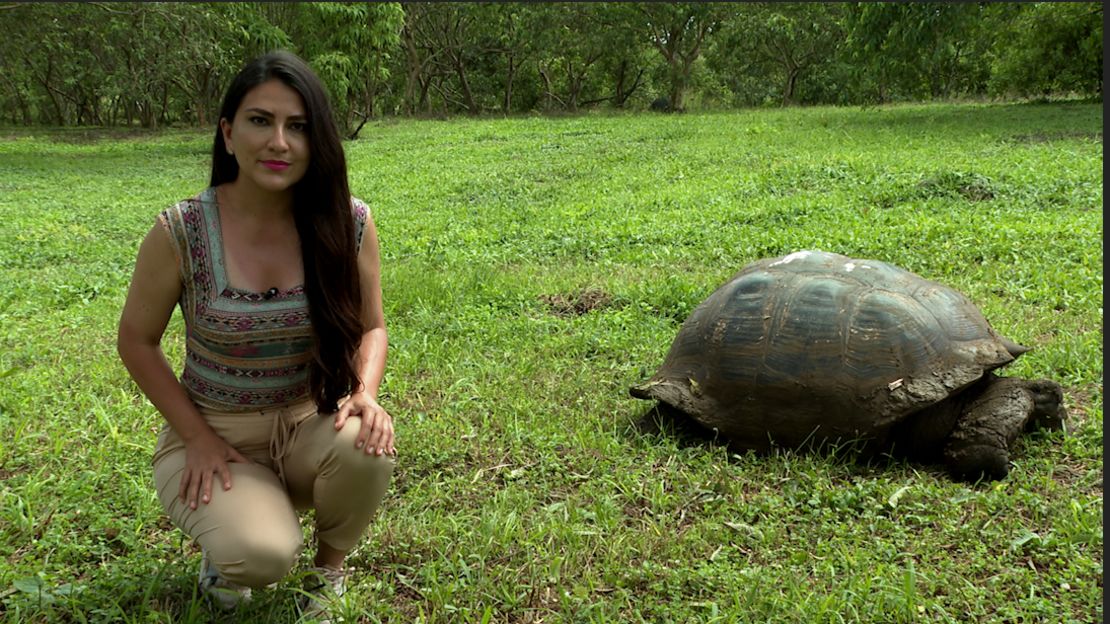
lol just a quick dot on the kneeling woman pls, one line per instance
(275, 267)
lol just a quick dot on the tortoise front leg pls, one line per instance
(979, 446)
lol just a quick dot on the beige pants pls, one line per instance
(251, 532)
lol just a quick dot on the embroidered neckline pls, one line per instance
(211, 207)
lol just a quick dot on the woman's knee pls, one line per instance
(256, 558)
(357, 459)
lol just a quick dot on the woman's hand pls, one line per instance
(204, 457)
(376, 434)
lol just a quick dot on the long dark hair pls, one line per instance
(322, 213)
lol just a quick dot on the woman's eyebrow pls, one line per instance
(262, 111)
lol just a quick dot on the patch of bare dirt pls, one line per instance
(970, 186)
(577, 304)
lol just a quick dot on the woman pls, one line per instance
(275, 268)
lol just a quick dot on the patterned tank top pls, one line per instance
(244, 351)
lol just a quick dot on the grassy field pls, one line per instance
(533, 270)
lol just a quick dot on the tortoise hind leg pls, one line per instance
(979, 446)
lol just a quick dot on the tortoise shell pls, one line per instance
(816, 346)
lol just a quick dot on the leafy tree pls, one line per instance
(627, 55)
(438, 40)
(571, 46)
(904, 48)
(1048, 47)
(678, 30)
(349, 46)
(125, 63)
(510, 30)
(781, 41)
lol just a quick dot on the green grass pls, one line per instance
(524, 493)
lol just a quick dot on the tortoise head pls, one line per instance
(1048, 405)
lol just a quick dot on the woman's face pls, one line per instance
(269, 137)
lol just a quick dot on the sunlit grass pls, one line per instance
(533, 269)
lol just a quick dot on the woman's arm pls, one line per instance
(377, 425)
(155, 289)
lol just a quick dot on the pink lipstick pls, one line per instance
(275, 165)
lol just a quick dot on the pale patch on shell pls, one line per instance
(797, 255)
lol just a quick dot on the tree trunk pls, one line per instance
(59, 116)
(165, 105)
(425, 101)
(96, 112)
(507, 106)
(618, 90)
(678, 89)
(574, 86)
(147, 118)
(202, 100)
(413, 77)
(354, 135)
(371, 97)
(546, 87)
(620, 98)
(788, 88)
(679, 71)
(24, 110)
(412, 80)
(464, 84)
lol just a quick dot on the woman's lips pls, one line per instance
(275, 165)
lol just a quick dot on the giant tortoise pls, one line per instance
(815, 348)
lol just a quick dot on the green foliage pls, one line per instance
(913, 50)
(348, 45)
(1050, 48)
(153, 64)
(534, 269)
(782, 44)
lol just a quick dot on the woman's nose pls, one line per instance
(277, 139)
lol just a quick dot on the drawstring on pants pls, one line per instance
(283, 435)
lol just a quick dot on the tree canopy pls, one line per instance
(153, 64)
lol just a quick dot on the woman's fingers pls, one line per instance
(225, 476)
(373, 443)
(206, 486)
(386, 443)
(198, 483)
(364, 431)
(192, 486)
(341, 415)
(236, 456)
(183, 489)
(376, 434)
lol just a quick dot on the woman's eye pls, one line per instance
(298, 127)
(258, 121)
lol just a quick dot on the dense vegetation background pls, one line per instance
(154, 64)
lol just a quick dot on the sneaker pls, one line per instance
(219, 591)
(322, 586)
